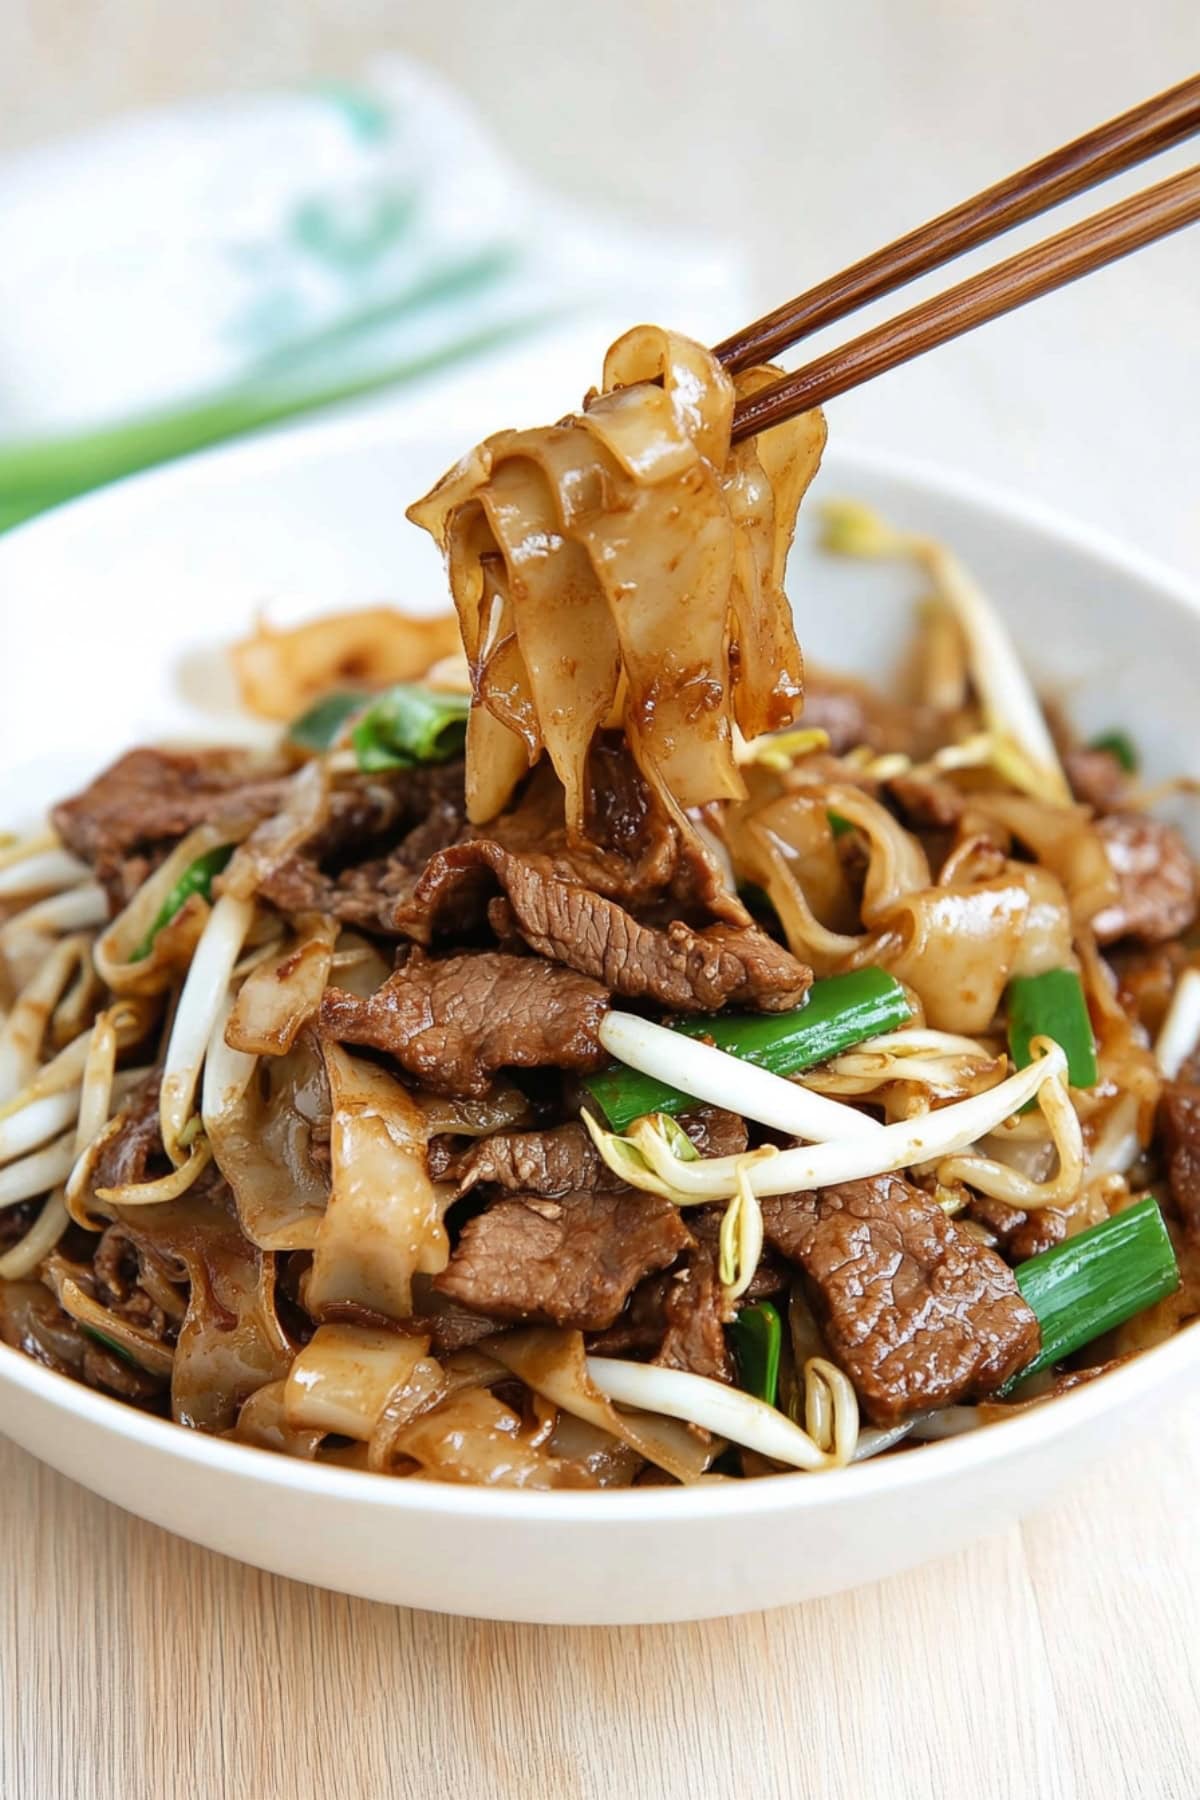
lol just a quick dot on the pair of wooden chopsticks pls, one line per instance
(1146, 131)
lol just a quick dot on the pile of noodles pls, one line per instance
(622, 567)
(626, 567)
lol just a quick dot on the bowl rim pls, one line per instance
(1115, 1391)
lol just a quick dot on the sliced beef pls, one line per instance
(1096, 778)
(563, 1159)
(454, 1022)
(135, 1142)
(854, 713)
(560, 918)
(678, 1318)
(1146, 977)
(1019, 1234)
(1156, 877)
(122, 823)
(915, 1312)
(927, 803)
(1179, 1122)
(695, 1317)
(571, 1262)
(352, 869)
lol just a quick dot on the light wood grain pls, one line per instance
(1059, 1661)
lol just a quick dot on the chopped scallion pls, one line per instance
(197, 878)
(318, 728)
(409, 724)
(1120, 745)
(757, 1335)
(1091, 1283)
(836, 1015)
(1052, 1005)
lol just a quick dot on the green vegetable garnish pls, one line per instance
(317, 728)
(1120, 745)
(838, 825)
(836, 1015)
(1094, 1282)
(1052, 1005)
(197, 878)
(757, 1335)
(108, 1343)
(409, 724)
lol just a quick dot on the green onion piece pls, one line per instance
(110, 1344)
(838, 825)
(1120, 745)
(757, 1335)
(1092, 1283)
(197, 878)
(836, 1015)
(317, 728)
(1052, 1005)
(410, 724)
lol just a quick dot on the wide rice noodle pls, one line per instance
(602, 567)
(383, 1223)
(280, 672)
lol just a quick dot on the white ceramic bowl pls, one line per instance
(112, 611)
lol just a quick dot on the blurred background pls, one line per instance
(457, 202)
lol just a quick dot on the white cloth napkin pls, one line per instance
(185, 274)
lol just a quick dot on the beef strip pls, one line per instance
(1156, 877)
(915, 1312)
(927, 803)
(570, 1262)
(123, 822)
(1020, 1234)
(454, 1022)
(854, 713)
(1179, 1122)
(563, 1159)
(678, 1318)
(695, 1316)
(1096, 778)
(136, 1142)
(679, 967)
(426, 804)
(1146, 977)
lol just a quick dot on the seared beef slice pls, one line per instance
(572, 1261)
(453, 1023)
(560, 918)
(917, 1313)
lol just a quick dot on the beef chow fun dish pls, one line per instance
(590, 1049)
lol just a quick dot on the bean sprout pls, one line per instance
(724, 1080)
(76, 909)
(831, 1409)
(1002, 1182)
(46, 869)
(1181, 1028)
(204, 994)
(925, 1139)
(22, 1033)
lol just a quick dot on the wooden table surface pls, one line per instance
(1060, 1661)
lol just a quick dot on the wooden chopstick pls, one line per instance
(1154, 126)
(1090, 245)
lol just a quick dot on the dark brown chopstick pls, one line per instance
(1090, 245)
(1145, 131)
